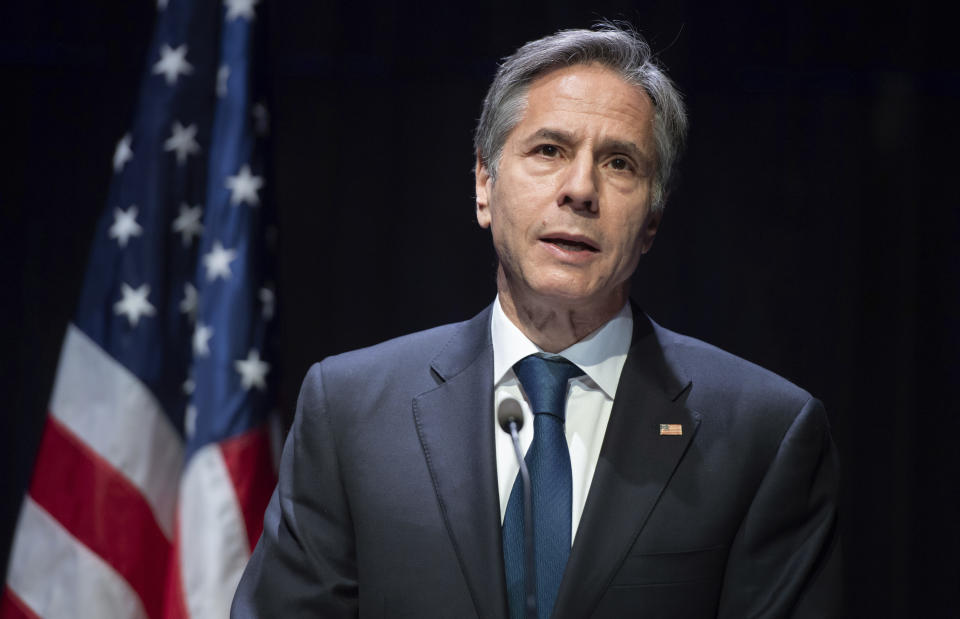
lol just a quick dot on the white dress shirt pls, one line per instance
(601, 356)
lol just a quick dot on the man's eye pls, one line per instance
(619, 163)
(548, 150)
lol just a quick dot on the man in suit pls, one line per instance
(669, 478)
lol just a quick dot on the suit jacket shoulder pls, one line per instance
(741, 397)
(402, 367)
(720, 372)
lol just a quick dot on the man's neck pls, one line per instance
(555, 326)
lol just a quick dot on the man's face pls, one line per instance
(570, 208)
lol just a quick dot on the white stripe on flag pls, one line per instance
(57, 576)
(108, 408)
(213, 540)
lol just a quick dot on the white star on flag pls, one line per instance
(173, 63)
(162, 5)
(201, 339)
(268, 299)
(190, 421)
(125, 225)
(240, 8)
(181, 140)
(188, 305)
(244, 187)
(188, 223)
(218, 262)
(223, 74)
(123, 153)
(189, 386)
(134, 303)
(253, 371)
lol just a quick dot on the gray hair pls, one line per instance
(619, 48)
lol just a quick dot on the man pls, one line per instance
(669, 479)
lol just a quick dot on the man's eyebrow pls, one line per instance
(552, 135)
(627, 147)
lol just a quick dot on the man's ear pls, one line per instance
(650, 230)
(484, 186)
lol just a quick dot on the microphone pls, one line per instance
(509, 412)
(510, 420)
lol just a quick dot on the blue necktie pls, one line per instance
(548, 460)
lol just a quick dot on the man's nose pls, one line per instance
(579, 188)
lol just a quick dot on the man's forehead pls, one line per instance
(569, 75)
(564, 103)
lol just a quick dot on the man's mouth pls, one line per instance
(570, 244)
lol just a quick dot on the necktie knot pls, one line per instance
(545, 381)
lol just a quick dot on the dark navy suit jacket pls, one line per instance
(387, 504)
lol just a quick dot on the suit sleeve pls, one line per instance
(305, 562)
(785, 559)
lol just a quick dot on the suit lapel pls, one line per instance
(634, 467)
(455, 425)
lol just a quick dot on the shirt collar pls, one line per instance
(601, 355)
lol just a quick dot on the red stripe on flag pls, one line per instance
(12, 607)
(250, 464)
(103, 510)
(174, 602)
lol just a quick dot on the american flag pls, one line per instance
(156, 464)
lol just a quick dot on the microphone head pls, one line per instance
(509, 412)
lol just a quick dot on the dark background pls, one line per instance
(814, 229)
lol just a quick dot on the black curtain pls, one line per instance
(813, 230)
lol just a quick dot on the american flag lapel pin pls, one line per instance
(671, 429)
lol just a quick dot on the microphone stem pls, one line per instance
(529, 573)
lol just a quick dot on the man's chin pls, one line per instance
(577, 297)
(560, 289)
